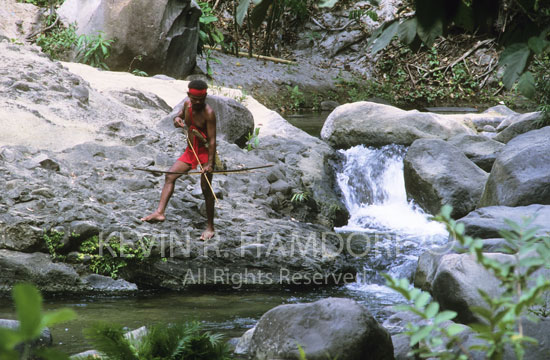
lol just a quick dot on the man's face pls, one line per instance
(197, 103)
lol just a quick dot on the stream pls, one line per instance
(372, 186)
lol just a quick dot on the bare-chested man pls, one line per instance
(200, 119)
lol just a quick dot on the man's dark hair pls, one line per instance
(197, 84)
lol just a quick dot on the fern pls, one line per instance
(109, 339)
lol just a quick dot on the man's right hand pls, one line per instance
(178, 122)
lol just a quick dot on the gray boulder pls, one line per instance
(521, 172)
(330, 327)
(519, 125)
(437, 174)
(375, 124)
(164, 32)
(233, 121)
(487, 222)
(457, 281)
(480, 149)
(45, 338)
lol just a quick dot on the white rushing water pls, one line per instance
(373, 186)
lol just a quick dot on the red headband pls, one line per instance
(197, 92)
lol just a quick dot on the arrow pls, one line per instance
(231, 171)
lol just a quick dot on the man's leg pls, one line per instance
(167, 191)
(209, 202)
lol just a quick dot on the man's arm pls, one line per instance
(179, 119)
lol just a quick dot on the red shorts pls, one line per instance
(188, 156)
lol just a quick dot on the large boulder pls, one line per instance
(163, 32)
(375, 124)
(457, 281)
(487, 222)
(517, 125)
(233, 121)
(331, 327)
(521, 172)
(480, 149)
(437, 174)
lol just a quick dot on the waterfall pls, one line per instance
(373, 186)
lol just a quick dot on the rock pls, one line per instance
(85, 355)
(457, 280)
(45, 338)
(280, 186)
(233, 121)
(401, 347)
(521, 172)
(141, 99)
(489, 129)
(37, 268)
(374, 124)
(512, 118)
(81, 93)
(243, 346)
(437, 174)
(481, 150)
(42, 160)
(165, 33)
(329, 105)
(520, 125)
(330, 327)
(21, 237)
(487, 222)
(106, 285)
(500, 110)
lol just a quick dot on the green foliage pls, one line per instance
(299, 197)
(427, 340)
(502, 316)
(297, 98)
(28, 306)
(166, 341)
(93, 50)
(54, 242)
(208, 33)
(522, 28)
(541, 66)
(136, 71)
(110, 256)
(252, 140)
(58, 41)
(42, 3)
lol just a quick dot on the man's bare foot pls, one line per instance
(154, 218)
(207, 234)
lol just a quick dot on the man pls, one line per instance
(200, 120)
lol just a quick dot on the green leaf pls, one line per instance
(432, 309)
(421, 334)
(9, 338)
(536, 44)
(454, 329)
(58, 316)
(422, 300)
(259, 13)
(28, 305)
(526, 85)
(444, 316)
(407, 31)
(514, 57)
(385, 38)
(429, 35)
(327, 3)
(242, 9)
